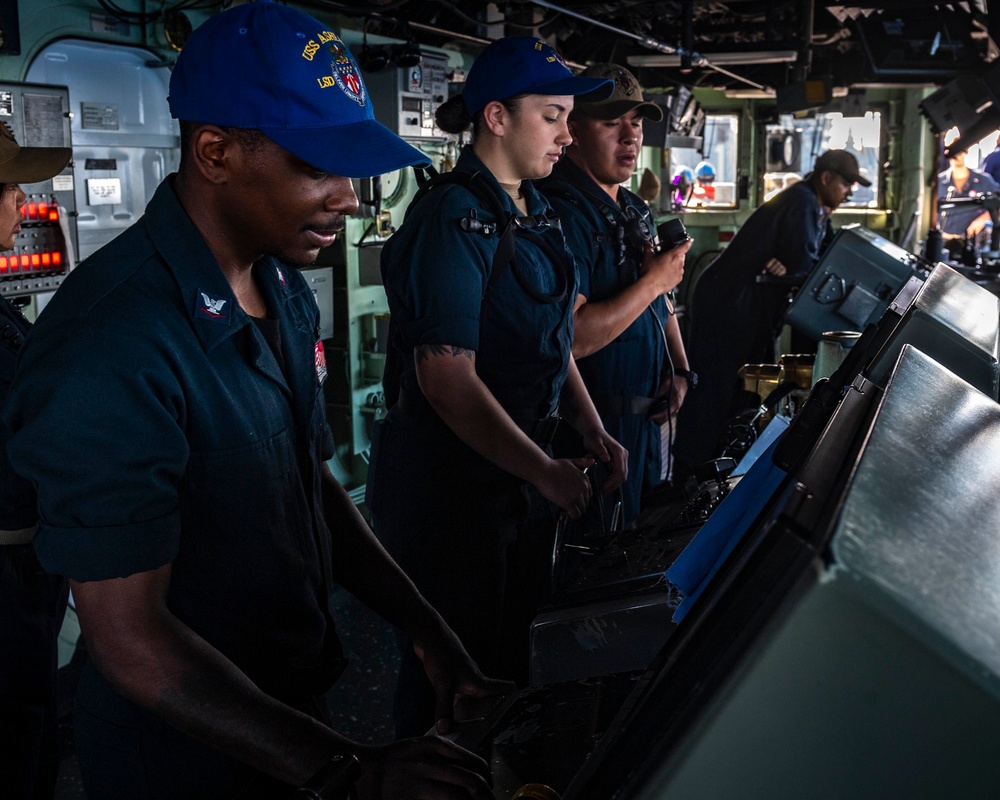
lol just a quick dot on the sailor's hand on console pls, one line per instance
(427, 768)
(976, 226)
(454, 675)
(673, 389)
(775, 267)
(665, 268)
(609, 452)
(566, 484)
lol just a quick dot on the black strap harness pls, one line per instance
(508, 225)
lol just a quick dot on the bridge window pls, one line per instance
(706, 177)
(793, 145)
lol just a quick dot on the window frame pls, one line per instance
(692, 206)
(879, 184)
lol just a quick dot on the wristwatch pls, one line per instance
(334, 779)
(691, 377)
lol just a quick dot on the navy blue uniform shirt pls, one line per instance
(956, 220)
(435, 276)
(158, 427)
(734, 321)
(791, 227)
(991, 165)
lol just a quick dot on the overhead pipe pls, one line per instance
(645, 41)
(697, 60)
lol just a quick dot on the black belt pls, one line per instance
(618, 406)
(23, 536)
(541, 431)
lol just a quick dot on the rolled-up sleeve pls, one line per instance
(97, 425)
(448, 269)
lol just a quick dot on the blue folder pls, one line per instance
(701, 559)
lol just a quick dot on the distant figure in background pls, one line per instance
(733, 320)
(991, 164)
(683, 186)
(972, 221)
(704, 189)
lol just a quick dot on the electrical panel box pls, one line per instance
(405, 98)
(124, 139)
(45, 247)
(320, 280)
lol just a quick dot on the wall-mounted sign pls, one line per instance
(104, 191)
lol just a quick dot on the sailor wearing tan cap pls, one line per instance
(734, 320)
(626, 339)
(32, 603)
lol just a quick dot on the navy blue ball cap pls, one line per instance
(266, 66)
(525, 65)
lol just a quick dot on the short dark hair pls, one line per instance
(250, 139)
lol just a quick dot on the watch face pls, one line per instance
(416, 75)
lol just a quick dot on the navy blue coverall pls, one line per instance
(733, 320)
(446, 514)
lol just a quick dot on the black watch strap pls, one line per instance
(691, 377)
(333, 779)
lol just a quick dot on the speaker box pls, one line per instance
(852, 285)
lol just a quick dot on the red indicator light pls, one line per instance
(32, 211)
(53, 214)
(3, 263)
(36, 260)
(46, 259)
(25, 260)
(57, 258)
(43, 210)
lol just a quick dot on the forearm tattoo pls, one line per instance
(424, 351)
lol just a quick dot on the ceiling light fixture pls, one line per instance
(750, 94)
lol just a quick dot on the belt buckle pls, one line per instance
(545, 430)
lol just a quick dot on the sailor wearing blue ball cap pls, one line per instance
(169, 409)
(270, 68)
(481, 289)
(524, 65)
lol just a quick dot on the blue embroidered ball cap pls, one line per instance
(525, 65)
(267, 66)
